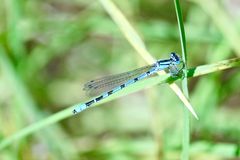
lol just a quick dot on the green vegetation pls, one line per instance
(49, 49)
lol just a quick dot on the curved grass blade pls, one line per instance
(186, 119)
(193, 72)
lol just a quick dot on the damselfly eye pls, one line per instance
(175, 58)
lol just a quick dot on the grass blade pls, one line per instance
(186, 120)
(193, 72)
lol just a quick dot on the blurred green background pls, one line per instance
(49, 49)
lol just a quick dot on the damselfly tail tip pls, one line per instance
(74, 111)
(80, 108)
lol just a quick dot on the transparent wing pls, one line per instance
(100, 85)
(116, 77)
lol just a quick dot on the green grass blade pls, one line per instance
(186, 120)
(193, 72)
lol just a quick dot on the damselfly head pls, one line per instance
(175, 58)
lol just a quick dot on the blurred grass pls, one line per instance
(223, 22)
(26, 105)
(14, 11)
(53, 47)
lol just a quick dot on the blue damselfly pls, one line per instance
(109, 85)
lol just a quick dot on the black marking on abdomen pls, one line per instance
(148, 72)
(99, 98)
(90, 102)
(110, 92)
(135, 79)
(122, 86)
(164, 61)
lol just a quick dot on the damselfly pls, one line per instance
(111, 84)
